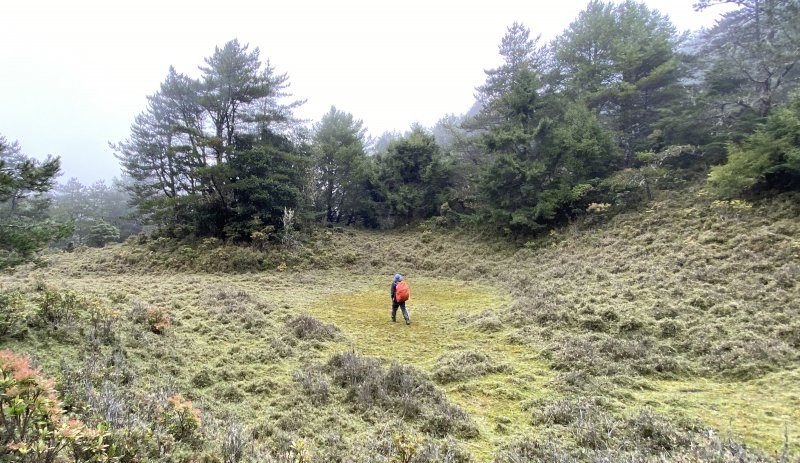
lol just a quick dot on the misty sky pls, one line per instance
(75, 73)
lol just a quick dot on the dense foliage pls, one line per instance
(413, 178)
(749, 61)
(340, 167)
(543, 154)
(621, 61)
(767, 158)
(24, 225)
(585, 120)
(214, 156)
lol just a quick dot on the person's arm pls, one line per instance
(394, 289)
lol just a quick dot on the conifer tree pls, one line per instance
(413, 178)
(768, 158)
(183, 149)
(24, 226)
(543, 153)
(340, 165)
(621, 61)
(750, 62)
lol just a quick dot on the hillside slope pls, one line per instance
(669, 332)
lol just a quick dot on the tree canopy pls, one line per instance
(195, 152)
(767, 158)
(340, 165)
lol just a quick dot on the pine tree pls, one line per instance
(748, 63)
(621, 61)
(339, 165)
(182, 153)
(768, 158)
(24, 226)
(543, 153)
(270, 173)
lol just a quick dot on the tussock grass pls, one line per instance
(306, 327)
(464, 364)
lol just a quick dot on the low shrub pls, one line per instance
(587, 431)
(202, 379)
(350, 369)
(102, 322)
(490, 324)
(594, 323)
(58, 308)
(405, 447)
(447, 419)
(181, 418)
(654, 433)
(12, 315)
(280, 347)
(447, 451)
(790, 333)
(538, 308)
(232, 259)
(600, 354)
(35, 428)
(669, 328)
(230, 393)
(141, 425)
(749, 357)
(158, 320)
(400, 389)
(314, 384)
(563, 411)
(307, 327)
(461, 365)
(234, 442)
(548, 450)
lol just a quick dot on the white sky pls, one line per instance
(74, 73)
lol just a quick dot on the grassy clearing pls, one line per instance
(443, 313)
(439, 310)
(653, 325)
(237, 343)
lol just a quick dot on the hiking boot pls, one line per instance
(408, 322)
(393, 320)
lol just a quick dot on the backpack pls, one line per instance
(401, 292)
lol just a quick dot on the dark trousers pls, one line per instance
(402, 306)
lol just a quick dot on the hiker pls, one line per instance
(399, 297)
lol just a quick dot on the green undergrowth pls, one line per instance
(669, 332)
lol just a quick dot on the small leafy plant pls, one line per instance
(158, 319)
(181, 418)
(34, 428)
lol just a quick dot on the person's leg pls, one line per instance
(394, 311)
(405, 312)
